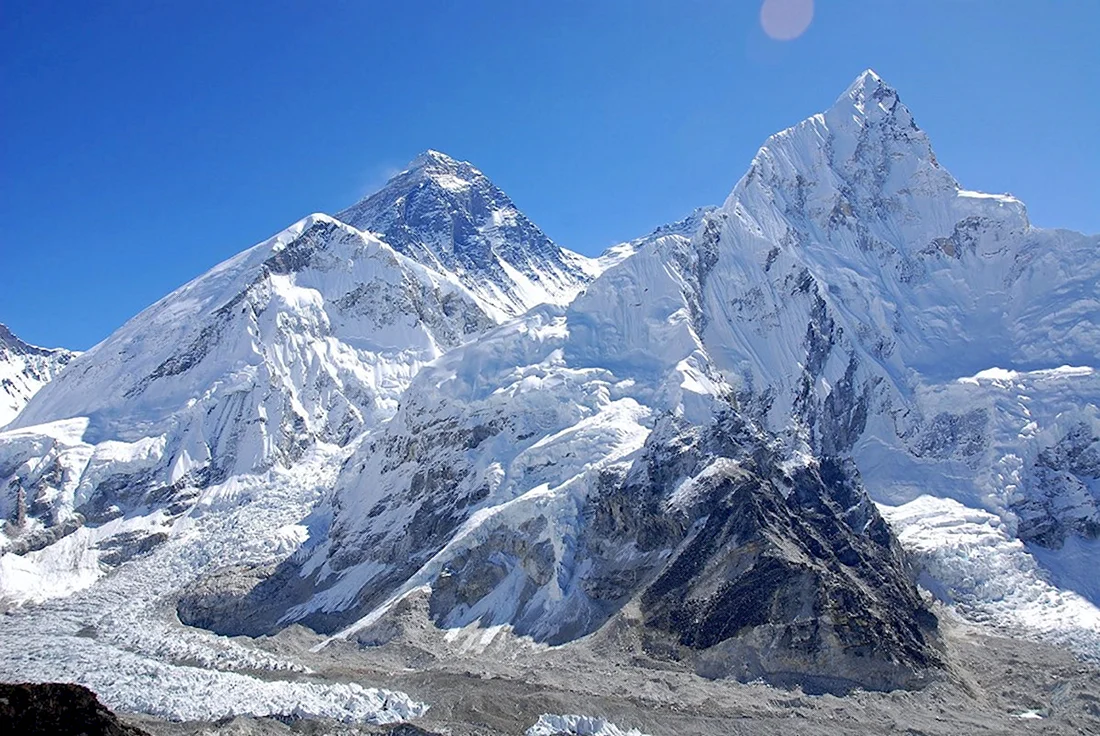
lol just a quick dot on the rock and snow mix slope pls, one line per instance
(448, 216)
(24, 369)
(574, 460)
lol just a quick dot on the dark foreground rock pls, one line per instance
(57, 709)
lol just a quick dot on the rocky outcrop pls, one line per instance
(58, 709)
(788, 576)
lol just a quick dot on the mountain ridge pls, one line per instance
(449, 216)
(24, 370)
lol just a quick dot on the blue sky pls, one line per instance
(143, 142)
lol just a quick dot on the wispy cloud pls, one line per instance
(375, 177)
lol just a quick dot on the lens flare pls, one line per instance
(786, 20)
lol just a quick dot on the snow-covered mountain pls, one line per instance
(197, 437)
(448, 216)
(24, 369)
(681, 439)
(857, 288)
(525, 486)
(308, 337)
(840, 302)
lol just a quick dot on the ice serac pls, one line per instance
(24, 369)
(449, 216)
(309, 337)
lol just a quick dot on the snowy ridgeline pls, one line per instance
(848, 299)
(24, 369)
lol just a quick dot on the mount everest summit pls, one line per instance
(423, 401)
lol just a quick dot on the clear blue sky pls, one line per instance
(143, 142)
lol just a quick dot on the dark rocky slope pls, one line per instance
(57, 709)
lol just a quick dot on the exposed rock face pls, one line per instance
(225, 602)
(764, 573)
(448, 216)
(58, 709)
(788, 590)
(24, 369)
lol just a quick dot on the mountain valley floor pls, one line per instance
(486, 682)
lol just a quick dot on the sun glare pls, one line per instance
(786, 20)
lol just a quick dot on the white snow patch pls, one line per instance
(573, 725)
